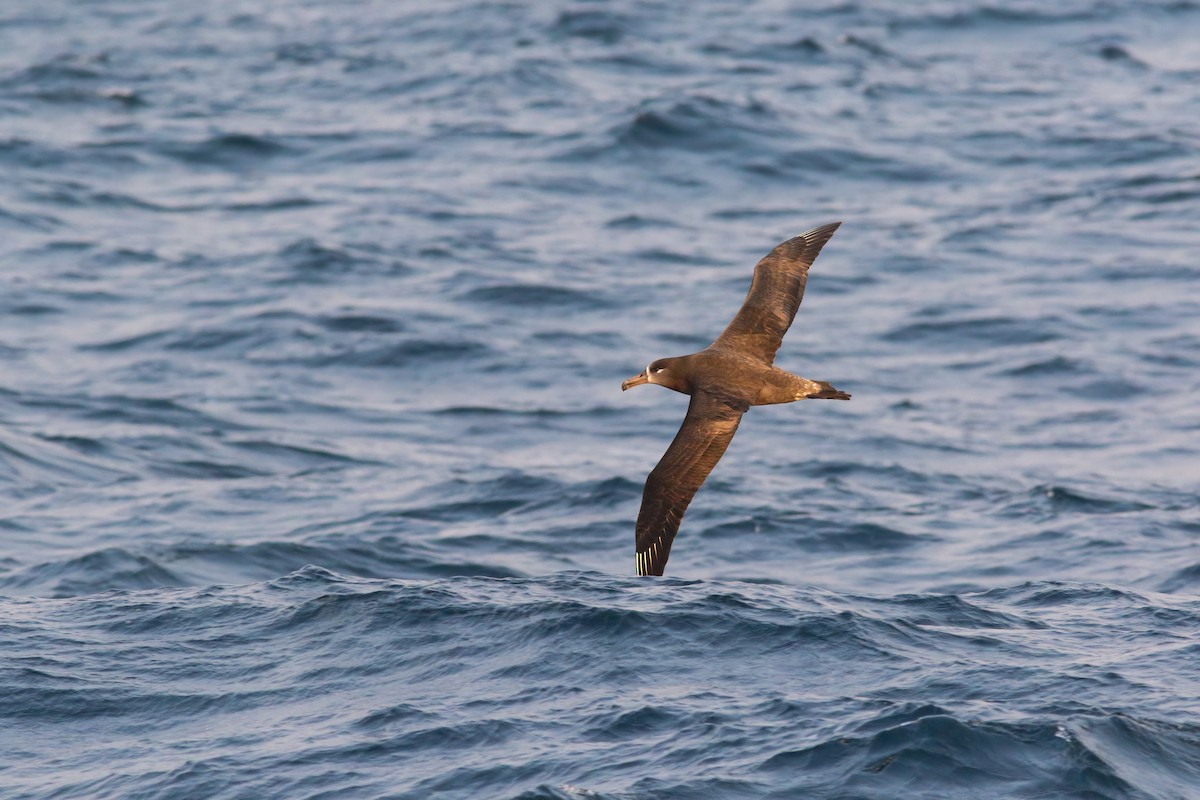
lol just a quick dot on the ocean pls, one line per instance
(317, 480)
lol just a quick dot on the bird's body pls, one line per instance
(724, 380)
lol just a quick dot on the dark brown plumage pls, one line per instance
(725, 379)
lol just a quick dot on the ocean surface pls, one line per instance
(317, 481)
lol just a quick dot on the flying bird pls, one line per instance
(726, 378)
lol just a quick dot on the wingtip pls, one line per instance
(807, 245)
(827, 392)
(653, 559)
(822, 231)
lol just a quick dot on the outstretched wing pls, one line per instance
(706, 431)
(775, 295)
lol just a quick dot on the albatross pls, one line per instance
(733, 373)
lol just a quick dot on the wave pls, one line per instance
(847, 693)
(995, 331)
(697, 123)
(1052, 501)
(991, 16)
(603, 26)
(311, 261)
(29, 461)
(820, 535)
(534, 295)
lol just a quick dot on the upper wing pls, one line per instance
(775, 294)
(706, 431)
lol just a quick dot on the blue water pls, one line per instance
(316, 479)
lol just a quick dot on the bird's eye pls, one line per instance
(656, 370)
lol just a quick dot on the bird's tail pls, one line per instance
(827, 392)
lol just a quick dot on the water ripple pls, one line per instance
(318, 481)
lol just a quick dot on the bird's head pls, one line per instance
(666, 372)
